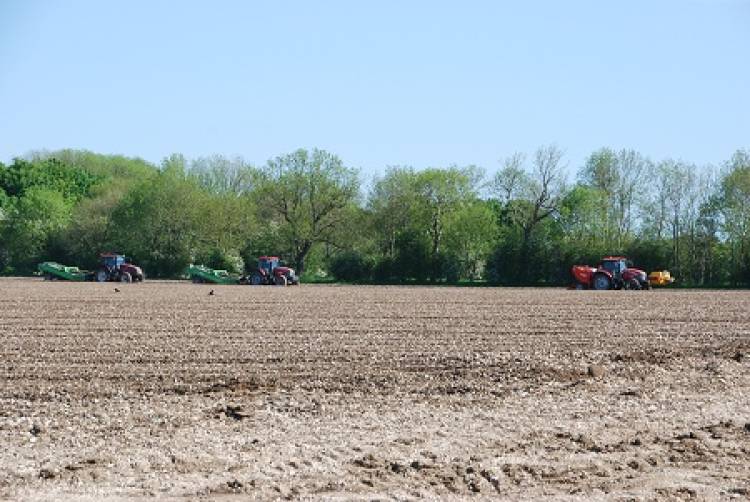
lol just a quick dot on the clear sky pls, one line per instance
(421, 83)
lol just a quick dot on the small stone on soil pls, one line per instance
(596, 371)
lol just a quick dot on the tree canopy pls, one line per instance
(525, 223)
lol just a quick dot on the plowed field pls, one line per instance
(162, 390)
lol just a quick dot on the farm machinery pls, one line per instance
(200, 274)
(113, 267)
(660, 278)
(613, 272)
(52, 271)
(118, 268)
(268, 272)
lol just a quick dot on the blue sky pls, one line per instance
(381, 83)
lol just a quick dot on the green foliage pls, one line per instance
(351, 266)
(103, 167)
(5, 201)
(431, 224)
(306, 195)
(21, 175)
(158, 221)
(649, 254)
(470, 234)
(221, 259)
(415, 225)
(413, 259)
(30, 224)
(220, 175)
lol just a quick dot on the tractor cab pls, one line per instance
(614, 265)
(113, 261)
(267, 264)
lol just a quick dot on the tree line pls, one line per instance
(527, 223)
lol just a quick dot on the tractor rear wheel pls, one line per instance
(126, 277)
(101, 276)
(280, 280)
(256, 280)
(602, 282)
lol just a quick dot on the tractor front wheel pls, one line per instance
(602, 282)
(126, 277)
(634, 284)
(281, 280)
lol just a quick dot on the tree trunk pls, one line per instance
(523, 260)
(299, 258)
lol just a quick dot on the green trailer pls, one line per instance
(52, 271)
(201, 274)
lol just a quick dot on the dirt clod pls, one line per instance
(596, 371)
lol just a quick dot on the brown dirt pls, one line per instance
(369, 392)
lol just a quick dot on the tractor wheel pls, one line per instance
(602, 282)
(634, 284)
(256, 280)
(101, 276)
(280, 280)
(126, 277)
(579, 286)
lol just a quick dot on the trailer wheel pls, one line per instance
(197, 280)
(126, 277)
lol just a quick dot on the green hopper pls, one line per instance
(52, 271)
(202, 274)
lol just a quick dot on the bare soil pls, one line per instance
(322, 392)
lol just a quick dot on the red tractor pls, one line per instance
(612, 272)
(269, 271)
(118, 268)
